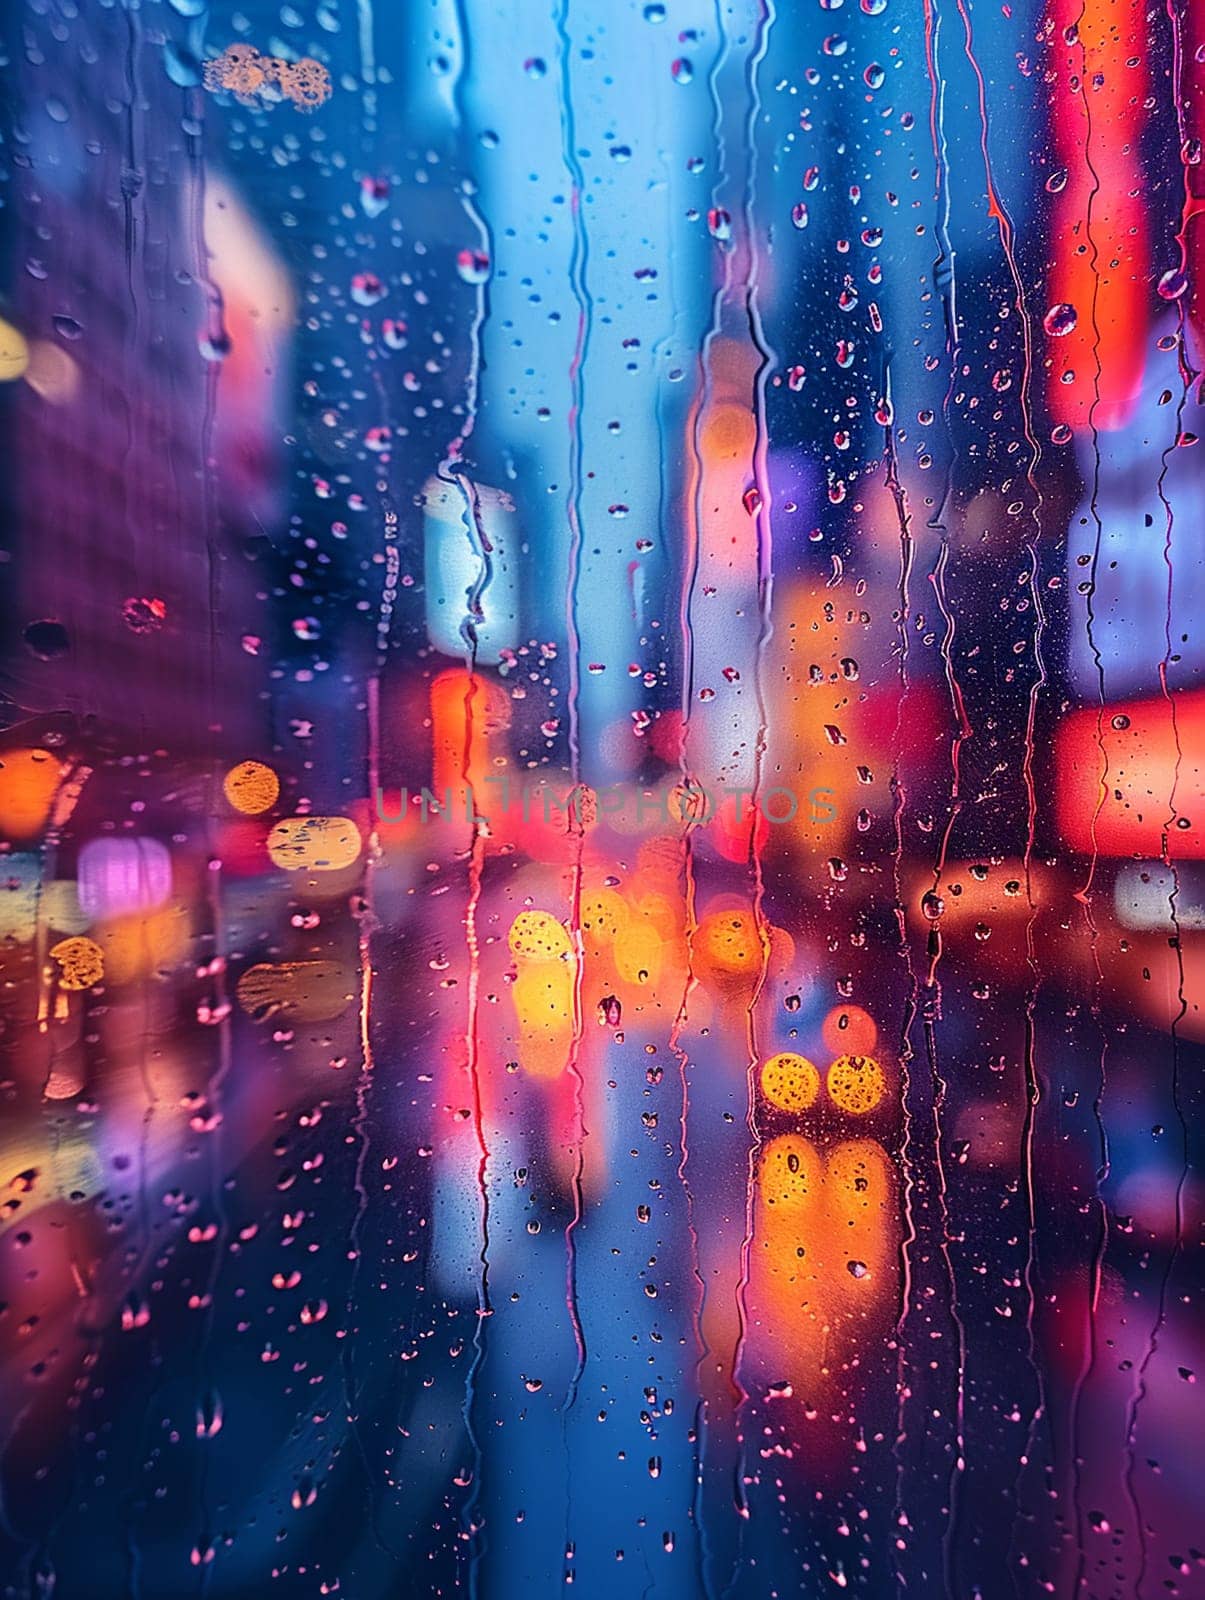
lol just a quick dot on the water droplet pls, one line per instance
(182, 67)
(209, 1416)
(1060, 319)
(367, 289)
(1173, 284)
(473, 266)
(215, 347)
(374, 196)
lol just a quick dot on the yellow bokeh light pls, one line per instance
(856, 1084)
(81, 962)
(538, 936)
(729, 941)
(790, 1082)
(29, 781)
(859, 1182)
(311, 991)
(604, 916)
(145, 944)
(543, 1001)
(790, 1175)
(251, 787)
(323, 843)
(638, 955)
(14, 353)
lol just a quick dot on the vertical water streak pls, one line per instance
(368, 69)
(692, 525)
(765, 584)
(452, 472)
(945, 277)
(578, 261)
(1032, 1081)
(1084, 893)
(1176, 941)
(908, 1233)
(1188, 378)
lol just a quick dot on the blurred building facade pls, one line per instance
(134, 606)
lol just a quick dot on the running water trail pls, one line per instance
(925, 998)
(690, 567)
(1084, 893)
(689, 983)
(765, 588)
(899, 792)
(1033, 1093)
(578, 262)
(368, 70)
(1188, 378)
(366, 921)
(452, 472)
(698, 1288)
(693, 524)
(1140, 1378)
(473, 1072)
(368, 924)
(945, 277)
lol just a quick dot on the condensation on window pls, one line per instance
(602, 786)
